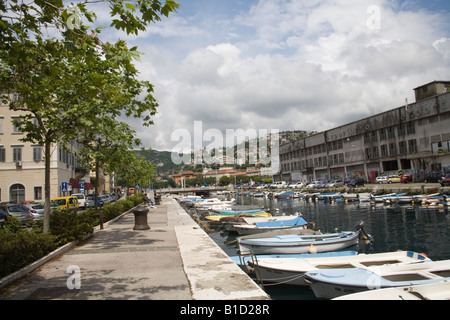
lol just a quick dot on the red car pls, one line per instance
(445, 180)
(406, 178)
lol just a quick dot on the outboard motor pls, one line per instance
(360, 227)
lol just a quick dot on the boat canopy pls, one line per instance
(299, 221)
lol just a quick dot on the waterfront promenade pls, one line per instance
(173, 260)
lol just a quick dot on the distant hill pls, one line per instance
(165, 165)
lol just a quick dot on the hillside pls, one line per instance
(165, 165)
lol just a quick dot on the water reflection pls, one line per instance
(413, 228)
(393, 227)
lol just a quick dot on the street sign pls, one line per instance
(64, 187)
(81, 187)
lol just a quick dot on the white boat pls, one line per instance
(431, 291)
(242, 261)
(332, 283)
(270, 225)
(213, 201)
(298, 243)
(381, 198)
(229, 222)
(364, 197)
(292, 271)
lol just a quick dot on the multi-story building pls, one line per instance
(413, 138)
(22, 166)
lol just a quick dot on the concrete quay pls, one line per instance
(173, 260)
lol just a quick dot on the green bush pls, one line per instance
(19, 249)
(71, 225)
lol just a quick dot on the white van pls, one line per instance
(81, 199)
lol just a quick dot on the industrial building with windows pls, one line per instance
(414, 138)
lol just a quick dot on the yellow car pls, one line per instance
(394, 179)
(64, 203)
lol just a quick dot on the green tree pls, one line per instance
(61, 81)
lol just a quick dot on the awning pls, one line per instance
(74, 182)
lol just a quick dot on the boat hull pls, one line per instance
(305, 244)
(292, 271)
(332, 283)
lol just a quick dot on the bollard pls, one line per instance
(140, 218)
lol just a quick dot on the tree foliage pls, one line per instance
(56, 69)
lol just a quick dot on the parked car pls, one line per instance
(105, 198)
(65, 203)
(432, 177)
(278, 185)
(3, 217)
(36, 210)
(297, 185)
(81, 199)
(17, 210)
(394, 179)
(445, 181)
(381, 179)
(335, 184)
(90, 200)
(312, 184)
(321, 184)
(356, 182)
(406, 178)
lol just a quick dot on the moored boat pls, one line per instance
(288, 244)
(243, 260)
(431, 291)
(270, 225)
(332, 283)
(292, 271)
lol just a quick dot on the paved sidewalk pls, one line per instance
(173, 260)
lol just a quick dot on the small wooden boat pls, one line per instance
(271, 225)
(228, 222)
(332, 283)
(292, 271)
(431, 291)
(286, 195)
(300, 243)
(243, 261)
(218, 217)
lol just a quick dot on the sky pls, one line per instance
(285, 65)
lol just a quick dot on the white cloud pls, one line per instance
(290, 65)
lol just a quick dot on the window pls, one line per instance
(412, 145)
(37, 193)
(17, 193)
(411, 129)
(402, 147)
(1, 125)
(2, 154)
(384, 150)
(392, 149)
(17, 154)
(37, 153)
(16, 128)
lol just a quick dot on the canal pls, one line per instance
(406, 227)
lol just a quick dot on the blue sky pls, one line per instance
(287, 65)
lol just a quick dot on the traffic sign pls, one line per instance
(64, 187)
(81, 187)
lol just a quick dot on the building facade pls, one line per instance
(22, 167)
(414, 138)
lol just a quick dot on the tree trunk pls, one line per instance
(46, 227)
(97, 168)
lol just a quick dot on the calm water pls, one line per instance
(414, 228)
